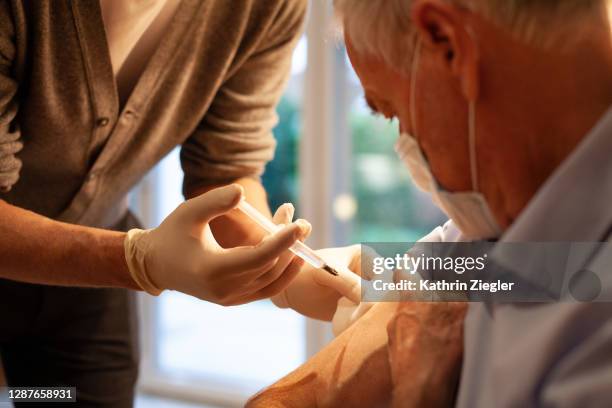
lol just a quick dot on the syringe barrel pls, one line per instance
(306, 253)
(299, 248)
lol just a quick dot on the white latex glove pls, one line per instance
(348, 312)
(344, 260)
(182, 254)
(314, 292)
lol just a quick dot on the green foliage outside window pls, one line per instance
(280, 178)
(389, 208)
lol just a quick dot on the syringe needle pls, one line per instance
(330, 270)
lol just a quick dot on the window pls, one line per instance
(197, 346)
(250, 346)
(389, 207)
(336, 163)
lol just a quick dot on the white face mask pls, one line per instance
(469, 210)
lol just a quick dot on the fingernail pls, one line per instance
(302, 221)
(239, 188)
(238, 193)
(288, 207)
(295, 231)
(303, 224)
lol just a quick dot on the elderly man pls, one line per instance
(504, 108)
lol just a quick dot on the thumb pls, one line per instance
(212, 204)
(284, 214)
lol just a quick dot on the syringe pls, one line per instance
(299, 248)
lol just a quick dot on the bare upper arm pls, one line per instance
(353, 370)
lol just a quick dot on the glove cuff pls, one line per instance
(347, 313)
(135, 246)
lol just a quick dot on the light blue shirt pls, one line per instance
(551, 354)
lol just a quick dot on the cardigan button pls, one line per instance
(101, 122)
(92, 176)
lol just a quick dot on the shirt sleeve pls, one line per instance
(235, 139)
(10, 143)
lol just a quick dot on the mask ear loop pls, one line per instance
(472, 145)
(472, 134)
(471, 116)
(413, 78)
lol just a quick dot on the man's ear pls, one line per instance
(443, 29)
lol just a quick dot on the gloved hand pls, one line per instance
(348, 312)
(317, 294)
(314, 292)
(182, 254)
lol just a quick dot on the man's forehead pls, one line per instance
(378, 81)
(369, 69)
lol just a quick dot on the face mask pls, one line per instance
(468, 210)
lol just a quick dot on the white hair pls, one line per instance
(376, 25)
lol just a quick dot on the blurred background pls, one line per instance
(336, 163)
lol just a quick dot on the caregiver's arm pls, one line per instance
(37, 249)
(408, 355)
(234, 141)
